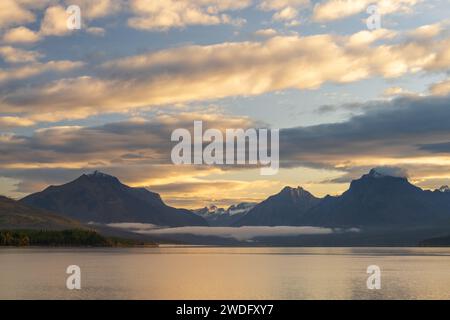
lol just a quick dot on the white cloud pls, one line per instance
(441, 88)
(15, 122)
(21, 35)
(98, 8)
(395, 92)
(196, 73)
(54, 22)
(34, 69)
(286, 14)
(266, 32)
(285, 10)
(427, 31)
(241, 234)
(366, 37)
(13, 12)
(338, 9)
(167, 14)
(271, 5)
(14, 55)
(392, 171)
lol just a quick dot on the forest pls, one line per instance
(64, 238)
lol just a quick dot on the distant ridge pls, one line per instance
(376, 199)
(380, 201)
(102, 198)
(219, 217)
(16, 215)
(281, 209)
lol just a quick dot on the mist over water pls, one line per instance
(225, 273)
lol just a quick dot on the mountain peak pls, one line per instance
(386, 172)
(444, 189)
(97, 173)
(102, 198)
(281, 209)
(100, 176)
(295, 192)
(291, 189)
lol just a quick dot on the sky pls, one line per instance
(346, 96)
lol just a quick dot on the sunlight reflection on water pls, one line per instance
(225, 273)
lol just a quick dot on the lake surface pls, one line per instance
(225, 273)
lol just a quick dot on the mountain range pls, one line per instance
(379, 200)
(373, 202)
(218, 217)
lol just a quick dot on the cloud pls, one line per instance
(366, 37)
(427, 31)
(271, 5)
(391, 133)
(54, 17)
(240, 234)
(54, 22)
(286, 14)
(127, 142)
(407, 132)
(329, 10)
(441, 88)
(443, 147)
(285, 10)
(198, 73)
(14, 12)
(167, 14)
(137, 151)
(392, 171)
(9, 122)
(392, 128)
(34, 69)
(266, 32)
(97, 31)
(97, 9)
(14, 55)
(396, 92)
(21, 35)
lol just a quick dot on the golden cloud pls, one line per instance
(196, 73)
(338, 9)
(34, 69)
(15, 55)
(21, 35)
(166, 14)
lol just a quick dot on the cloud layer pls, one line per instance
(198, 73)
(240, 234)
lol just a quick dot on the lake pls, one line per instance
(225, 273)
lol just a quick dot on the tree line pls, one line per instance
(75, 237)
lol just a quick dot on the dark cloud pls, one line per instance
(436, 147)
(399, 128)
(128, 142)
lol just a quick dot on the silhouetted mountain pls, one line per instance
(16, 215)
(282, 209)
(444, 189)
(224, 217)
(380, 200)
(102, 198)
